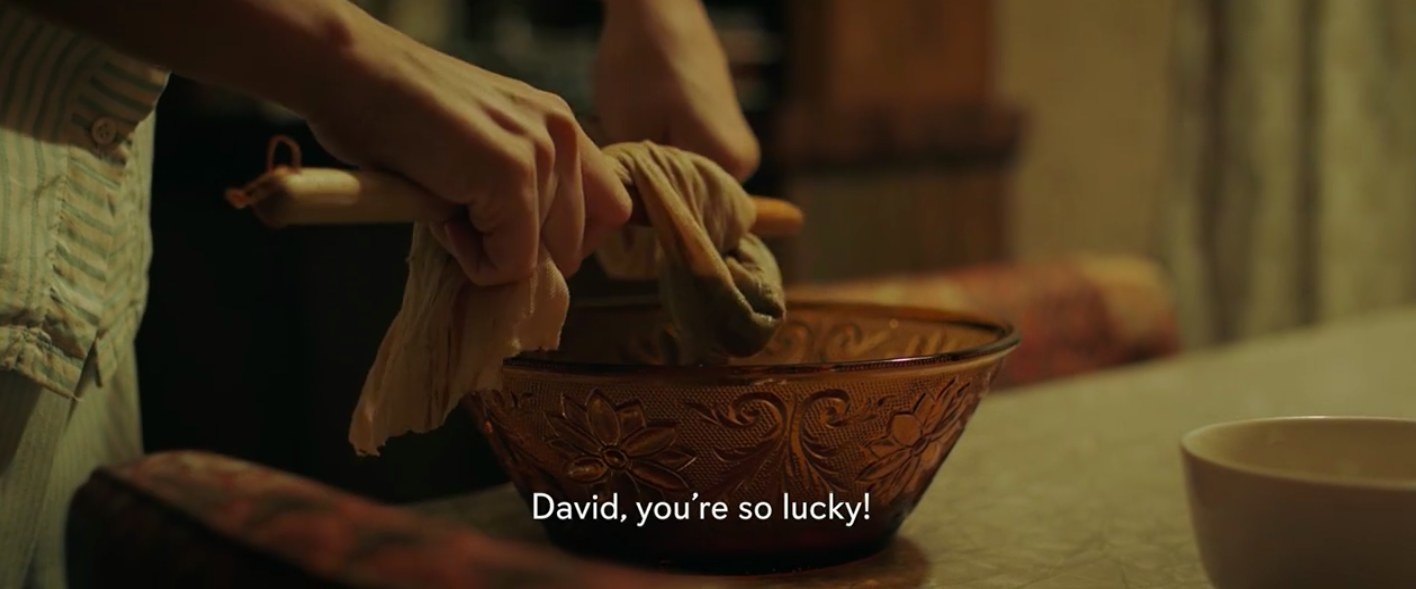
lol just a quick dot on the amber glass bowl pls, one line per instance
(848, 399)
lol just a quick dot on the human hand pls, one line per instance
(513, 155)
(661, 75)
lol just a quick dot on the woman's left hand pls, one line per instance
(661, 75)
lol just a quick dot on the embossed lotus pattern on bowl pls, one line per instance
(849, 399)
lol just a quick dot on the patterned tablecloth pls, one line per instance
(1077, 484)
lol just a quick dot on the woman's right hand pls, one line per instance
(513, 155)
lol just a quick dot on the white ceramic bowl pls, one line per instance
(1297, 502)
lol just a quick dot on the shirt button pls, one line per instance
(103, 131)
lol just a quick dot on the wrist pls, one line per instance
(336, 59)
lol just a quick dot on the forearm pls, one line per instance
(298, 53)
(657, 14)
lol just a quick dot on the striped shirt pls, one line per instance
(76, 130)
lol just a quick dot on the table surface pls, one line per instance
(1077, 483)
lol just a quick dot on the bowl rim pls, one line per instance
(1006, 339)
(1189, 448)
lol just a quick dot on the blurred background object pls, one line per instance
(891, 139)
(1232, 167)
(1292, 197)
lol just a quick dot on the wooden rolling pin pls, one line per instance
(287, 195)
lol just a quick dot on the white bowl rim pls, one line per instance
(1187, 442)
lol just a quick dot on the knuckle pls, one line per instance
(560, 120)
(556, 105)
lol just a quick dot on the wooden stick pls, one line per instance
(287, 196)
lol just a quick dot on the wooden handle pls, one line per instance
(329, 196)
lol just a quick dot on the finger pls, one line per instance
(564, 229)
(508, 221)
(464, 243)
(607, 203)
